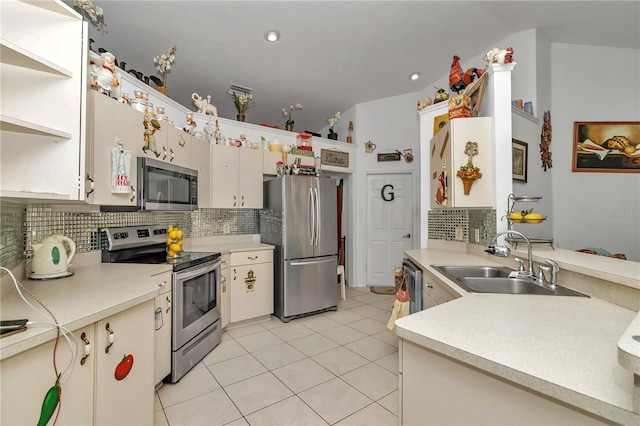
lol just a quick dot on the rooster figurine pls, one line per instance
(457, 79)
(456, 83)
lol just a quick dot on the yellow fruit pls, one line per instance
(629, 149)
(179, 243)
(175, 247)
(172, 253)
(533, 218)
(170, 228)
(173, 234)
(179, 231)
(515, 216)
(169, 241)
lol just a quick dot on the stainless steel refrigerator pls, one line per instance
(299, 218)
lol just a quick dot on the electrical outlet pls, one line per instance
(226, 229)
(476, 234)
(459, 234)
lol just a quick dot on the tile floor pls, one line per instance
(334, 368)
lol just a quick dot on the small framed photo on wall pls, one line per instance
(519, 160)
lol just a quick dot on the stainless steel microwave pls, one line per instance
(166, 187)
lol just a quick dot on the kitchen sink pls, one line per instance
(473, 271)
(492, 279)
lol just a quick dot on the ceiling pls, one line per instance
(334, 54)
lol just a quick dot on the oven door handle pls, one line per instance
(199, 270)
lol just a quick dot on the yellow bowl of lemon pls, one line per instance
(175, 236)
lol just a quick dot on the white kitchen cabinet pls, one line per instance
(447, 155)
(201, 161)
(251, 284)
(236, 178)
(129, 400)
(171, 144)
(112, 125)
(162, 337)
(225, 291)
(28, 376)
(434, 388)
(43, 80)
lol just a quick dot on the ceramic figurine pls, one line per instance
(102, 75)
(125, 98)
(499, 56)
(204, 105)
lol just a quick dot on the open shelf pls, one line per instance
(12, 124)
(16, 55)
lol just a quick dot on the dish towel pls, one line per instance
(120, 171)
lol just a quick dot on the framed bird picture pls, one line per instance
(606, 146)
(476, 92)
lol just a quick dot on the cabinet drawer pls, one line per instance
(251, 257)
(437, 292)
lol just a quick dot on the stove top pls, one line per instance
(146, 245)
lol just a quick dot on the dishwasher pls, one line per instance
(414, 285)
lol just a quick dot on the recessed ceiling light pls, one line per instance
(414, 75)
(272, 36)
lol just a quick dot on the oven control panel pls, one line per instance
(134, 236)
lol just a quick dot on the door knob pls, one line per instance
(406, 236)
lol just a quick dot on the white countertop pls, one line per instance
(94, 292)
(563, 347)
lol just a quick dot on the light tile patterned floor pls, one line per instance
(334, 368)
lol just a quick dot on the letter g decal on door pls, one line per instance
(390, 194)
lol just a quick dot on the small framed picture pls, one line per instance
(519, 160)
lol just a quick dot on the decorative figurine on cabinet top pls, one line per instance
(499, 56)
(102, 74)
(204, 105)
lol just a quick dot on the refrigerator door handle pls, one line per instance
(317, 215)
(312, 217)
(313, 262)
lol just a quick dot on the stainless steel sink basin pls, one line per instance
(492, 279)
(473, 271)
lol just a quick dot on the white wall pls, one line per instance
(593, 209)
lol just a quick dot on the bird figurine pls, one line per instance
(470, 75)
(499, 56)
(456, 82)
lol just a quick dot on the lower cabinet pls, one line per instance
(123, 387)
(162, 338)
(28, 376)
(434, 292)
(251, 284)
(225, 291)
(125, 400)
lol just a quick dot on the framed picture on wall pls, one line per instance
(519, 160)
(606, 146)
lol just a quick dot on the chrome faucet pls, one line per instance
(553, 269)
(504, 251)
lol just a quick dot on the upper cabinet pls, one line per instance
(43, 80)
(236, 178)
(458, 142)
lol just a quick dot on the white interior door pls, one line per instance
(389, 225)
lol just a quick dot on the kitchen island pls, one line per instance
(525, 359)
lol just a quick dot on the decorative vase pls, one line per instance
(467, 185)
(288, 127)
(162, 89)
(240, 117)
(333, 136)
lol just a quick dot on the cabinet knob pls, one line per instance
(429, 286)
(92, 184)
(406, 236)
(235, 201)
(162, 284)
(242, 204)
(252, 257)
(168, 304)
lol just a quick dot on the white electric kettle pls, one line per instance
(51, 259)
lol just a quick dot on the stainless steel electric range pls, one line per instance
(196, 324)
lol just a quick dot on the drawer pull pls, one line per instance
(168, 304)
(87, 348)
(429, 286)
(111, 338)
(162, 284)
(252, 257)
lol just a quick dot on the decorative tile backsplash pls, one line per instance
(442, 224)
(24, 224)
